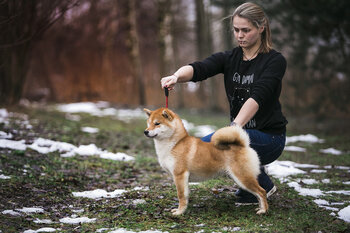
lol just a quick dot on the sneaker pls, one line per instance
(247, 199)
(241, 193)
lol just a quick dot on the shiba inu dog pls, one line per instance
(188, 158)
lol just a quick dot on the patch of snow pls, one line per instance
(129, 114)
(77, 220)
(30, 210)
(283, 169)
(138, 201)
(194, 183)
(87, 150)
(3, 115)
(344, 192)
(293, 164)
(305, 191)
(102, 109)
(331, 151)
(294, 148)
(119, 156)
(78, 211)
(342, 167)
(45, 229)
(321, 202)
(11, 212)
(90, 130)
(3, 177)
(337, 203)
(200, 225)
(304, 138)
(14, 145)
(309, 181)
(99, 193)
(231, 228)
(318, 171)
(45, 146)
(43, 221)
(122, 230)
(344, 214)
(329, 208)
(84, 107)
(141, 188)
(300, 165)
(4, 135)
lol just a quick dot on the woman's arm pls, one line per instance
(247, 112)
(184, 74)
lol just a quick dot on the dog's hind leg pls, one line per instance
(248, 182)
(181, 182)
(253, 187)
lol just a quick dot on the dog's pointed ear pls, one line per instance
(147, 111)
(167, 114)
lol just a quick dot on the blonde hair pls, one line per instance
(258, 18)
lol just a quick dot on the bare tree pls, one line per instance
(135, 50)
(21, 24)
(204, 49)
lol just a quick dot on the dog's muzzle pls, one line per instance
(146, 132)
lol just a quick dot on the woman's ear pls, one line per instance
(261, 29)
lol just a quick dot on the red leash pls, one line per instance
(166, 96)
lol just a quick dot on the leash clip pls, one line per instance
(166, 91)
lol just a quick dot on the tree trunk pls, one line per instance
(201, 45)
(14, 49)
(227, 31)
(135, 51)
(176, 11)
(204, 49)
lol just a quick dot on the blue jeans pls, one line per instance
(268, 146)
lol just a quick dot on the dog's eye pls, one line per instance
(156, 123)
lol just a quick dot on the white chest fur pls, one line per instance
(165, 159)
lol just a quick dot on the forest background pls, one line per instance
(118, 50)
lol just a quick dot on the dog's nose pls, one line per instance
(146, 132)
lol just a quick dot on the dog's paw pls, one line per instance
(260, 211)
(177, 212)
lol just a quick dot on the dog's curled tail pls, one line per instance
(231, 135)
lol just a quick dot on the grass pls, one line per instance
(49, 180)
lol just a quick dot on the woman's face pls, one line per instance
(246, 34)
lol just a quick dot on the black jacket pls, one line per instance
(260, 79)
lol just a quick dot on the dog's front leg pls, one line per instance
(181, 182)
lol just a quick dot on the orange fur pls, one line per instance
(189, 158)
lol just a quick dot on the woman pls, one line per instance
(253, 74)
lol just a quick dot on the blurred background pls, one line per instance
(118, 50)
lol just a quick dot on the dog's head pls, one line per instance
(160, 123)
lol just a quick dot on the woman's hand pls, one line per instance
(184, 74)
(169, 82)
